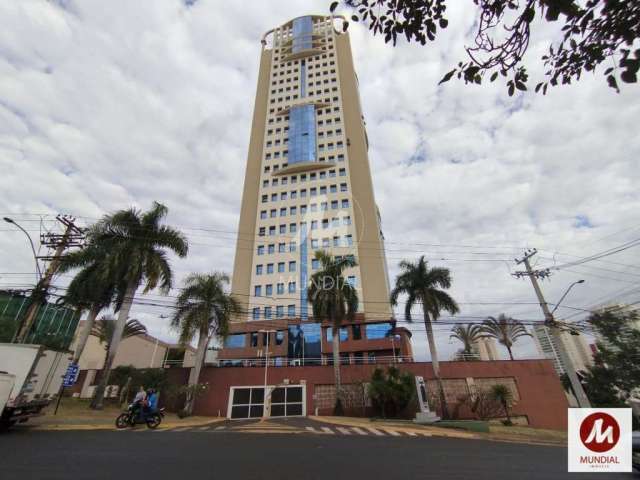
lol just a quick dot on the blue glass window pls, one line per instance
(268, 290)
(235, 341)
(267, 312)
(279, 311)
(302, 134)
(302, 31)
(344, 334)
(291, 311)
(256, 313)
(378, 330)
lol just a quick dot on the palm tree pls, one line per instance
(130, 247)
(104, 328)
(203, 308)
(87, 291)
(335, 299)
(468, 335)
(502, 395)
(505, 330)
(420, 283)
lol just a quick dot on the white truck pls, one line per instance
(37, 374)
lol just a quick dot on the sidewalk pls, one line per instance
(76, 415)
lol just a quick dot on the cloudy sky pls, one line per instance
(104, 105)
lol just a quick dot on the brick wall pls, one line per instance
(538, 394)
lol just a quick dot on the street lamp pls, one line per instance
(33, 249)
(565, 294)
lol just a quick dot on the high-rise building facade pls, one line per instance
(308, 184)
(575, 346)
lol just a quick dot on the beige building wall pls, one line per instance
(334, 192)
(486, 349)
(142, 351)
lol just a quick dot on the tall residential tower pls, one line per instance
(308, 187)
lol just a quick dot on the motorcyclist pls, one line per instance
(139, 402)
(152, 401)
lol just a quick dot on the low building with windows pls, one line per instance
(141, 351)
(297, 342)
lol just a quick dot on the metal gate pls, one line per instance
(248, 402)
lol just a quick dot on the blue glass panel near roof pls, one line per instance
(302, 134)
(302, 31)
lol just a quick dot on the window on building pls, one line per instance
(237, 340)
(271, 248)
(254, 339)
(291, 311)
(267, 313)
(292, 266)
(315, 264)
(260, 249)
(282, 247)
(351, 280)
(263, 215)
(257, 291)
(375, 331)
(279, 311)
(291, 287)
(268, 290)
(269, 268)
(349, 240)
(292, 246)
(258, 269)
(280, 267)
(343, 334)
(279, 337)
(356, 332)
(256, 313)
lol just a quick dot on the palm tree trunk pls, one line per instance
(194, 375)
(84, 336)
(335, 342)
(510, 353)
(506, 411)
(123, 314)
(436, 365)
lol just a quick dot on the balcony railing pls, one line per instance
(288, 362)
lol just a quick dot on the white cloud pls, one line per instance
(106, 105)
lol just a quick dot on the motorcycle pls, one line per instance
(134, 416)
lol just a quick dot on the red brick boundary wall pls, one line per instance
(540, 397)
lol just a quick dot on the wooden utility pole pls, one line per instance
(73, 236)
(554, 329)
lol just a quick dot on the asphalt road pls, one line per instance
(28, 454)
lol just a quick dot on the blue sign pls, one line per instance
(71, 376)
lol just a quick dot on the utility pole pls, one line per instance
(552, 325)
(73, 236)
